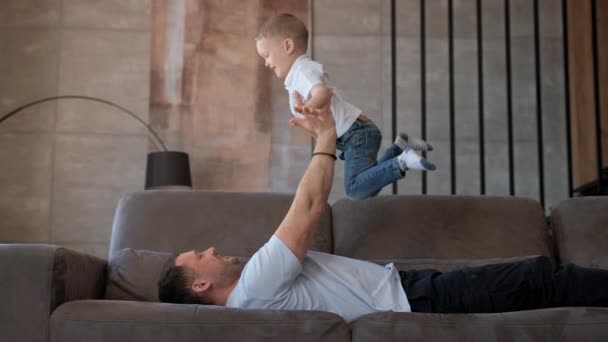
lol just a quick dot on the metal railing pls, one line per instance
(509, 92)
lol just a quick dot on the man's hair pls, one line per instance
(175, 284)
(285, 26)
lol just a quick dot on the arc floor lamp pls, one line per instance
(164, 169)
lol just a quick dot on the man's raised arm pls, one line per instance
(310, 201)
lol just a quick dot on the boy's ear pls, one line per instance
(288, 45)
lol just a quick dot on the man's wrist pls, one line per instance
(328, 135)
(331, 155)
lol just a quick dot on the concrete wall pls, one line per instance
(354, 44)
(63, 165)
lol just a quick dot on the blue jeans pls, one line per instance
(364, 176)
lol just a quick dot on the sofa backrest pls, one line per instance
(439, 227)
(580, 226)
(176, 221)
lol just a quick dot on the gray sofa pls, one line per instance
(50, 293)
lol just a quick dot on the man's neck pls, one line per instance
(221, 297)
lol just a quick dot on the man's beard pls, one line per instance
(232, 270)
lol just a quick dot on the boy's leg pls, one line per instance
(363, 176)
(369, 182)
(390, 153)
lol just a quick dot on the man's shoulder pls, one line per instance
(268, 275)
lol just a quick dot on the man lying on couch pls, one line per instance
(284, 274)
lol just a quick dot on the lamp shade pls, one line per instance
(168, 170)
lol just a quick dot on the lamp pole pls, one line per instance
(164, 169)
(89, 98)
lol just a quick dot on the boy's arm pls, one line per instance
(320, 96)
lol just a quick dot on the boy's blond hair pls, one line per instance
(285, 26)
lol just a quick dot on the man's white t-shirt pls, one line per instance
(303, 76)
(274, 278)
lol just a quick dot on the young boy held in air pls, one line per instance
(282, 41)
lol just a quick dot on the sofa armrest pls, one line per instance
(35, 279)
(579, 226)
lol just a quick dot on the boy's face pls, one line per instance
(278, 54)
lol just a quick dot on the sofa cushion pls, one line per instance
(127, 321)
(558, 324)
(134, 274)
(177, 221)
(439, 227)
(580, 226)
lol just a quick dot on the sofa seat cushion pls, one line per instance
(127, 321)
(557, 324)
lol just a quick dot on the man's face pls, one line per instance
(210, 266)
(277, 54)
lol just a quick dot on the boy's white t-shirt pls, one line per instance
(303, 76)
(274, 278)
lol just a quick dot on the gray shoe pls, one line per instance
(403, 139)
(427, 164)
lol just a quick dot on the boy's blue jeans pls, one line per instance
(364, 175)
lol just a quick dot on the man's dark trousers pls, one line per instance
(533, 283)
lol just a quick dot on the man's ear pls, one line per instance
(289, 45)
(200, 286)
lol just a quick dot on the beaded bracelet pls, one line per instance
(324, 154)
